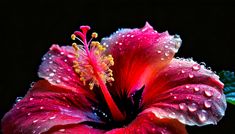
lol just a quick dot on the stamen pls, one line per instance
(93, 67)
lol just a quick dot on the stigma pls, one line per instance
(92, 64)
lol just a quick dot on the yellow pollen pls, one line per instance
(73, 36)
(87, 71)
(75, 46)
(94, 35)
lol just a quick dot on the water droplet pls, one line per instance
(175, 97)
(159, 51)
(196, 67)
(182, 71)
(162, 59)
(172, 115)
(41, 107)
(207, 103)
(192, 107)
(132, 36)
(65, 60)
(187, 86)
(65, 79)
(32, 84)
(208, 93)
(29, 114)
(166, 54)
(58, 81)
(182, 106)
(70, 56)
(190, 76)
(30, 99)
(53, 117)
(44, 58)
(120, 43)
(18, 99)
(62, 130)
(196, 89)
(62, 53)
(202, 115)
(116, 42)
(35, 121)
(166, 46)
(51, 74)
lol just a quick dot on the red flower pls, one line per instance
(129, 84)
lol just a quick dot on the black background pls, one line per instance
(29, 29)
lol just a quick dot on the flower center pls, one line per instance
(92, 65)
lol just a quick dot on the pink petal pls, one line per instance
(148, 123)
(138, 55)
(73, 129)
(186, 91)
(46, 106)
(57, 67)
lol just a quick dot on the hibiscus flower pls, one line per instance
(128, 83)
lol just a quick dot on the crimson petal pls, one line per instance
(186, 91)
(45, 107)
(57, 68)
(138, 55)
(148, 123)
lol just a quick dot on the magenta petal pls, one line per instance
(138, 55)
(57, 67)
(46, 106)
(186, 91)
(148, 123)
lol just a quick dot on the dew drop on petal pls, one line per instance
(187, 86)
(182, 71)
(172, 115)
(53, 117)
(207, 103)
(159, 51)
(18, 99)
(202, 115)
(29, 114)
(191, 76)
(51, 74)
(62, 130)
(192, 107)
(182, 106)
(196, 89)
(208, 93)
(196, 67)
(166, 54)
(70, 56)
(35, 121)
(58, 81)
(41, 107)
(32, 84)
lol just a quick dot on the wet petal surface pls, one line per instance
(46, 106)
(148, 123)
(186, 91)
(138, 55)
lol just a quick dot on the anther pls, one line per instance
(94, 35)
(73, 36)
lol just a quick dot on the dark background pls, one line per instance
(29, 29)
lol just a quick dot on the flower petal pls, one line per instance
(46, 106)
(57, 67)
(139, 54)
(186, 91)
(148, 123)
